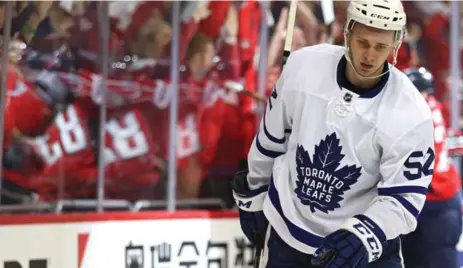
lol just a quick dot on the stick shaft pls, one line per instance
(286, 52)
(290, 30)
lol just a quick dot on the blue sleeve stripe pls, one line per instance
(373, 226)
(403, 190)
(252, 193)
(407, 205)
(270, 136)
(266, 152)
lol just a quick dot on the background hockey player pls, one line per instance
(344, 156)
(433, 243)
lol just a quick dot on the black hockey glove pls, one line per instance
(358, 242)
(250, 203)
(15, 157)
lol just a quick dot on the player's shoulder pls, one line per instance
(407, 96)
(310, 66)
(404, 107)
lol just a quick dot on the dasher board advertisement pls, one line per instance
(125, 240)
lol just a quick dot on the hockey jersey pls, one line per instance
(328, 154)
(67, 155)
(446, 181)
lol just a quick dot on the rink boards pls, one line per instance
(126, 240)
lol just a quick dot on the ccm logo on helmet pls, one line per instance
(381, 17)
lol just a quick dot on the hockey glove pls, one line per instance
(250, 204)
(357, 243)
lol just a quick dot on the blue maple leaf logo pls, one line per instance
(321, 183)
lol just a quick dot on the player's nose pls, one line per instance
(370, 51)
(369, 57)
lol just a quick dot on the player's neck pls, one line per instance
(359, 81)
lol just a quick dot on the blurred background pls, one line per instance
(138, 105)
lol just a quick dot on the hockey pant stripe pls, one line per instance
(264, 256)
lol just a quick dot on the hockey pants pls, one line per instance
(278, 254)
(433, 243)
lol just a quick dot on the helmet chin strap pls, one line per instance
(348, 58)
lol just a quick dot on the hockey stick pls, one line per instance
(289, 30)
(286, 53)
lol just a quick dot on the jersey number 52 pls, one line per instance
(415, 168)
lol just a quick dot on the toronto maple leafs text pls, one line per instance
(318, 184)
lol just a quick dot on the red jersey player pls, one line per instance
(150, 98)
(67, 155)
(132, 169)
(69, 152)
(433, 243)
(42, 97)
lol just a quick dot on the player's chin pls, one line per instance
(369, 71)
(362, 71)
(365, 72)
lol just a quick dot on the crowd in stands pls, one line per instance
(55, 91)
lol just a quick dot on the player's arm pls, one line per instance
(272, 137)
(250, 186)
(406, 169)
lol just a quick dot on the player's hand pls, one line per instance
(355, 244)
(250, 204)
(231, 23)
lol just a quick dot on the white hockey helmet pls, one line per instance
(380, 14)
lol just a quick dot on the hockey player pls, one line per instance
(344, 156)
(433, 243)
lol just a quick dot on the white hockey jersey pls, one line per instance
(328, 154)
